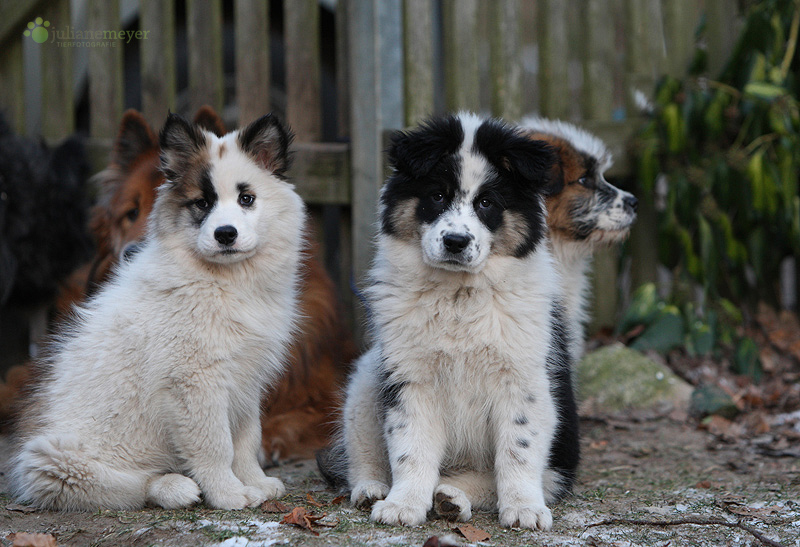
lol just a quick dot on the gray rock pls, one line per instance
(616, 378)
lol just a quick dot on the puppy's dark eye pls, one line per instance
(202, 204)
(132, 214)
(584, 181)
(246, 200)
(437, 197)
(485, 203)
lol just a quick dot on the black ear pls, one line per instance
(514, 154)
(180, 142)
(417, 151)
(207, 118)
(267, 141)
(134, 138)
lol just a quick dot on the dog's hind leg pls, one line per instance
(172, 491)
(62, 473)
(458, 494)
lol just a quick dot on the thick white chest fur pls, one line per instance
(459, 373)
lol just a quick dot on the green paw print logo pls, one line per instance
(37, 29)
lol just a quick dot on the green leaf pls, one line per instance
(755, 172)
(746, 360)
(764, 90)
(664, 334)
(701, 338)
(642, 310)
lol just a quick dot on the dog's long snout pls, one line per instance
(630, 201)
(455, 243)
(225, 235)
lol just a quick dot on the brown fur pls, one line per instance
(565, 173)
(297, 417)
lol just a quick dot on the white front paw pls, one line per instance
(366, 493)
(235, 497)
(270, 487)
(389, 512)
(535, 518)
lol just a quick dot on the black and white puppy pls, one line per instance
(465, 397)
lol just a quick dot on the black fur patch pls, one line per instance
(389, 391)
(267, 141)
(565, 450)
(427, 170)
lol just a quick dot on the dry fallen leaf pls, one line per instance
(302, 518)
(703, 484)
(24, 539)
(310, 499)
(338, 499)
(473, 534)
(20, 508)
(273, 506)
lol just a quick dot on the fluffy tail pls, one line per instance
(59, 473)
(332, 464)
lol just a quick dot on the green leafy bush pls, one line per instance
(729, 152)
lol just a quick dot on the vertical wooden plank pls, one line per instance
(342, 71)
(366, 137)
(303, 102)
(462, 84)
(58, 108)
(158, 60)
(206, 78)
(645, 54)
(599, 53)
(505, 62)
(105, 72)
(12, 84)
(553, 58)
(646, 51)
(390, 23)
(252, 59)
(418, 60)
(721, 32)
(680, 23)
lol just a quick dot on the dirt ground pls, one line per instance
(634, 473)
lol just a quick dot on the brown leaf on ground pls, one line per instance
(703, 484)
(311, 501)
(472, 534)
(745, 511)
(20, 508)
(338, 499)
(274, 506)
(302, 518)
(24, 539)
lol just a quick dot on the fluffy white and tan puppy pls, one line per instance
(152, 394)
(465, 400)
(585, 212)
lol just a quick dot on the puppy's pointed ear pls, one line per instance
(134, 138)
(510, 151)
(180, 142)
(267, 142)
(207, 118)
(416, 152)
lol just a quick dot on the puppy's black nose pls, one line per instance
(226, 235)
(455, 243)
(631, 201)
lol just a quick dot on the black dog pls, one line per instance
(43, 216)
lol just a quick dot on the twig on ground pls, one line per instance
(701, 522)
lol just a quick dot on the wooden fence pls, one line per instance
(344, 73)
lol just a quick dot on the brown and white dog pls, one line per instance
(584, 215)
(297, 416)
